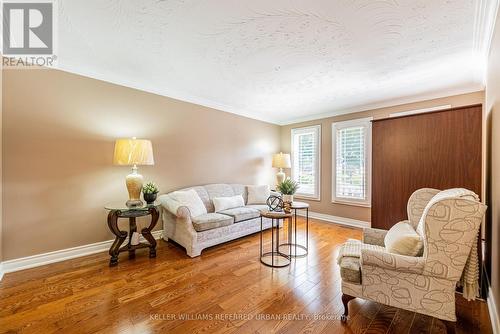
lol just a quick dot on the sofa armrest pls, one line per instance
(183, 212)
(173, 207)
(390, 261)
(374, 236)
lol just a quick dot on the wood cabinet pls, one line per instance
(440, 149)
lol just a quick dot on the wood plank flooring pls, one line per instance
(225, 290)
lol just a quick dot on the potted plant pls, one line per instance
(287, 188)
(150, 190)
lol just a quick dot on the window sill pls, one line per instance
(308, 198)
(351, 203)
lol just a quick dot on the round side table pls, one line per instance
(120, 210)
(274, 258)
(294, 248)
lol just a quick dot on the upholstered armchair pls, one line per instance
(448, 222)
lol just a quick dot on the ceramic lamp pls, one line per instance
(133, 152)
(281, 160)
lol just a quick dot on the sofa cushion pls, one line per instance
(242, 213)
(258, 194)
(240, 189)
(202, 193)
(191, 200)
(218, 190)
(226, 203)
(350, 269)
(260, 207)
(212, 220)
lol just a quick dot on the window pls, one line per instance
(351, 165)
(305, 160)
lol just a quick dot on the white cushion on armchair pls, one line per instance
(403, 239)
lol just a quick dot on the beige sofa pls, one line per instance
(198, 233)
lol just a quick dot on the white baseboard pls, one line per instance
(492, 309)
(60, 255)
(335, 219)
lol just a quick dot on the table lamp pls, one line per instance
(281, 160)
(133, 152)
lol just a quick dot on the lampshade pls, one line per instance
(133, 152)
(282, 160)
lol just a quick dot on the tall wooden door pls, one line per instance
(439, 150)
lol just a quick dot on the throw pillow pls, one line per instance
(258, 194)
(191, 200)
(403, 239)
(225, 203)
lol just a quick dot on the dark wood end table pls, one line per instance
(120, 210)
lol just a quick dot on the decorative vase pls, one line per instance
(134, 186)
(150, 197)
(288, 198)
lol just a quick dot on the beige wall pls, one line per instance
(355, 212)
(59, 130)
(493, 181)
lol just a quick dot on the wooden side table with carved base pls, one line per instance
(119, 210)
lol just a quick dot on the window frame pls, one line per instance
(317, 187)
(367, 123)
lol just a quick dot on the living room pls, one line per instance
(183, 166)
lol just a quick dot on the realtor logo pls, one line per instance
(28, 32)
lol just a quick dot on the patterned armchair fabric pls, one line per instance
(449, 222)
(374, 236)
(417, 203)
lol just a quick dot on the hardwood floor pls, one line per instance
(226, 290)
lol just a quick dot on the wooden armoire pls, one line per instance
(440, 149)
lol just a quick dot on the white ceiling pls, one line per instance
(280, 61)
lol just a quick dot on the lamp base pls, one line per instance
(134, 186)
(280, 177)
(133, 203)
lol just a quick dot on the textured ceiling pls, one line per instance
(278, 60)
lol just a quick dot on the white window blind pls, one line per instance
(305, 160)
(351, 166)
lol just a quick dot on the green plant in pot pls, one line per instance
(288, 188)
(150, 191)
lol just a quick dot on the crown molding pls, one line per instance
(388, 103)
(249, 114)
(166, 92)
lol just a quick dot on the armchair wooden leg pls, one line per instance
(450, 326)
(345, 300)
